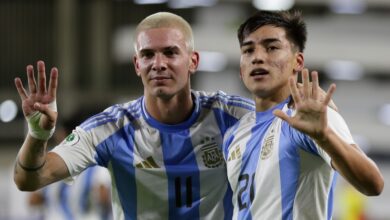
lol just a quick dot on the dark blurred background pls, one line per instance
(91, 42)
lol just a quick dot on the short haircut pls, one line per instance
(167, 20)
(291, 21)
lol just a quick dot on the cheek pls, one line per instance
(281, 64)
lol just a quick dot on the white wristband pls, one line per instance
(33, 124)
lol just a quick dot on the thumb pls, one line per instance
(49, 118)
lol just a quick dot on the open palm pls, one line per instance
(39, 98)
(310, 110)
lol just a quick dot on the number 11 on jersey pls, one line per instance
(188, 191)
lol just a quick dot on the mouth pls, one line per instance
(259, 72)
(159, 78)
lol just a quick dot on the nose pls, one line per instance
(258, 57)
(159, 63)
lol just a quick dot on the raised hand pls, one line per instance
(39, 102)
(310, 107)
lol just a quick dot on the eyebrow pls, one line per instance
(264, 41)
(146, 50)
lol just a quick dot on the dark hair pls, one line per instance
(291, 21)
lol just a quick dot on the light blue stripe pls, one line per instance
(64, 199)
(227, 203)
(181, 166)
(224, 120)
(209, 102)
(112, 114)
(330, 196)
(106, 113)
(86, 190)
(289, 165)
(118, 149)
(224, 97)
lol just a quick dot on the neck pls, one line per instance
(171, 110)
(263, 103)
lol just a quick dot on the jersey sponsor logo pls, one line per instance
(212, 155)
(147, 164)
(268, 145)
(72, 139)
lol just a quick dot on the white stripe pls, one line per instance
(268, 204)
(314, 184)
(152, 183)
(234, 166)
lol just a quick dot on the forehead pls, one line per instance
(157, 38)
(267, 32)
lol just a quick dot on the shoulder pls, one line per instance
(222, 100)
(242, 125)
(114, 114)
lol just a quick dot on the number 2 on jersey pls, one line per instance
(248, 181)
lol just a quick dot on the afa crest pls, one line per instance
(268, 145)
(211, 154)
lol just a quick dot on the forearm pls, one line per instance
(30, 163)
(352, 164)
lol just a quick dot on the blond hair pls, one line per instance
(166, 20)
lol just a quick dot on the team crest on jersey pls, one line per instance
(72, 139)
(268, 145)
(212, 155)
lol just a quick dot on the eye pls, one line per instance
(169, 53)
(272, 48)
(247, 50)
(147, 54)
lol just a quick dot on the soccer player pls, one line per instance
(163, 150)
(283, 159)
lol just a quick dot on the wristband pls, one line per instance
(33, 124)
(29, 169)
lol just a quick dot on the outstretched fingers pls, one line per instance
(306, 83)
(294, 90)
(32, 84)
(41, 77)
(19, 86)
(329, 94)
(53, 83)
(315, 84)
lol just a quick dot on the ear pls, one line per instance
(194, 62)
(240, 74)
(299, 62)
(136, 65)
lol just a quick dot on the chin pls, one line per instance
(162, 93)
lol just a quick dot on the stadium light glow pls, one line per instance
(190, 4)
(384, 114)
(272, 5)
(149, 2)
(8, 111)
(344, 70)
(212, 61)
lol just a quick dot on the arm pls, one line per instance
(34, 167)
(311, 119)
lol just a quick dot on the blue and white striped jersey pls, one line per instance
(277, 172)
(160, 171)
